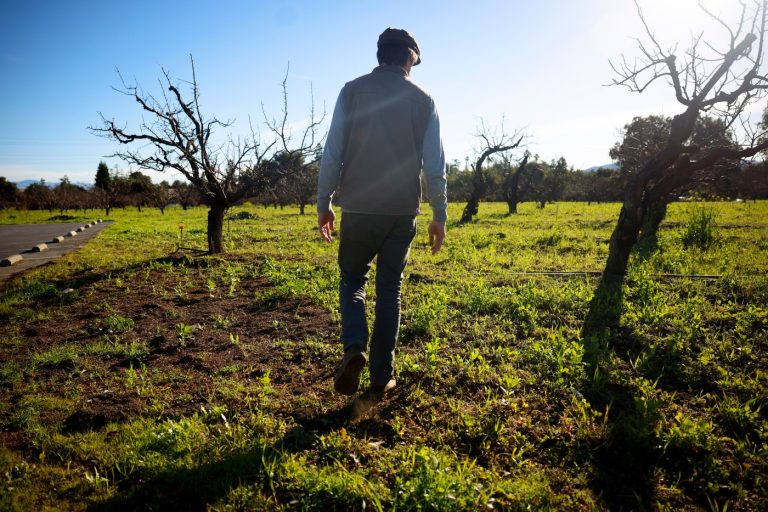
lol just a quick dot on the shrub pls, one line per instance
(242, 216)
(701, 230)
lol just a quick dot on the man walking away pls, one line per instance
(384, 132)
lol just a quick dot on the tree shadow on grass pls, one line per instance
(624, 464)
(198, 487)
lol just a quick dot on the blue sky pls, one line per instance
(540, 64)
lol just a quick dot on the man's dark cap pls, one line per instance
(400, 36)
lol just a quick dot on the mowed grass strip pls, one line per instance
(136, 373)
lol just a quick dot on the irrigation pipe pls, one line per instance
(597, 273)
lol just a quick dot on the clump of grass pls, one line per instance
(117, 323)
(136, 350)
(10, 372)
(551, 239)
(62, 356)
(220, 321)
(424, 315)
(701, 229)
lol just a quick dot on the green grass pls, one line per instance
(503, 403)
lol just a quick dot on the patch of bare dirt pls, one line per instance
(238, 337)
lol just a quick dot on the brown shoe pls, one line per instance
(384, 388)
(347, 378)
(377, 392)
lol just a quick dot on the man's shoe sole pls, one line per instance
(348, 379)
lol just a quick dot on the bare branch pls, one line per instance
(648, 31)
(719, 20)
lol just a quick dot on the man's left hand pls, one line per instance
(325, 223)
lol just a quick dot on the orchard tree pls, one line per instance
(183, 139)
(721, 82)
(604, 185)
(493, 142)
(641, 138)
(38, 196)
(138, 189)
(752, 181)
(299, 179)
(186, 194)
(511, 190)
(546, 182)
(68, 196)
(538, 182)
(160, 196)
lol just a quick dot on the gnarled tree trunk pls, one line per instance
(216, 228)
(647, 194)
(479, 188)
(511, 183)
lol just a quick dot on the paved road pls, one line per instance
(20, 238)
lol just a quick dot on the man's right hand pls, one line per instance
(325, 223)
(436, 232)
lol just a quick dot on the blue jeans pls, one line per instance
(362, 238)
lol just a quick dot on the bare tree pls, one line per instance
(160, 196)
(181, 138)
(511, 188)
(68, 196)
(296, 160)
(720, 82)
(493, 142)
(186, 193)
(300, 182)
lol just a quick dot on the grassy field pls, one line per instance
(137, 375)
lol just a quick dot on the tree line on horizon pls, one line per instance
(536, 180)
(117, 189)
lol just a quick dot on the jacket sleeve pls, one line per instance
(433, 165)
(331, 161)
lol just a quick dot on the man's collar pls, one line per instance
(392, 69)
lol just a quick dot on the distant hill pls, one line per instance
(612, 166)
(51, 184)
(25, 183)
